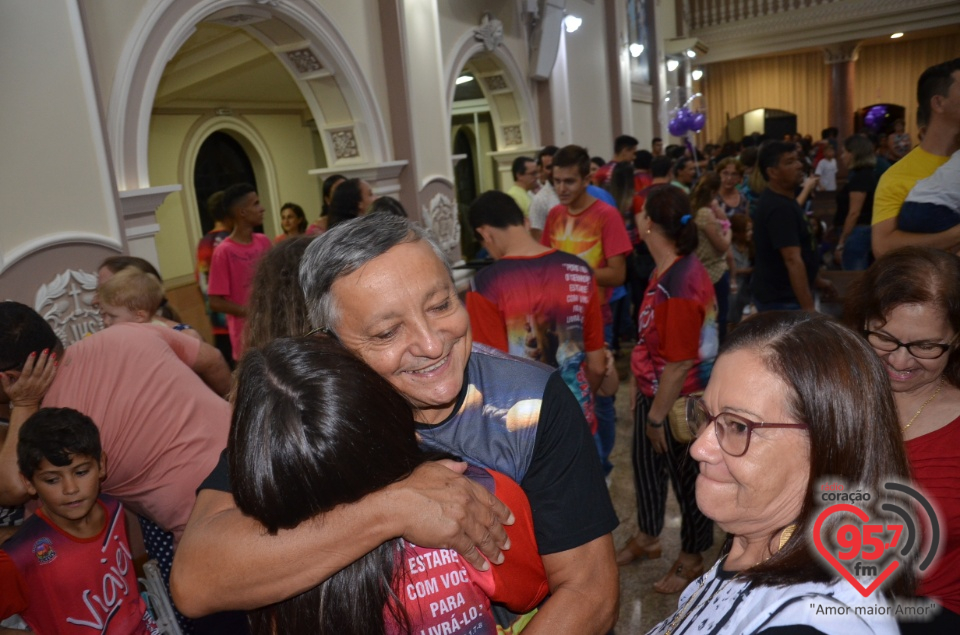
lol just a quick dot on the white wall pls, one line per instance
(588, 87)
(54, 173)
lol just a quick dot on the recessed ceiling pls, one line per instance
(225, 67)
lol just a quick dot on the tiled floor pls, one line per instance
(641, 607)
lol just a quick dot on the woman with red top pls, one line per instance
(907, 305)
(676, 346)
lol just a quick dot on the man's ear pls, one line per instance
(103, 466)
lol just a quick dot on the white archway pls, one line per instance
(165, 25)
(503, 84)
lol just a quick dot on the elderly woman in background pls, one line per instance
(676, 346)
(907, 305)
(774, 423)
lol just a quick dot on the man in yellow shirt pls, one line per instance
(525, 174)
(938, 94)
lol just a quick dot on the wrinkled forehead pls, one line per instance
(410, 269)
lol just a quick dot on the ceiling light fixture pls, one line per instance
(896, 35)
(696, 75)
(463, 79)
(571, 23)
(672, 65)
(636, 49)
(691, 53)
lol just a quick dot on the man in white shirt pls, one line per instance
(546, 199)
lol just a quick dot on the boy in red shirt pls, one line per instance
(69, 568)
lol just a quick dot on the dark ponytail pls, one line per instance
(669, 208)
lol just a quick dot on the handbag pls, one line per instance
(678, 419)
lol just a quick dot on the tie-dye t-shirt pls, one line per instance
(677, 321)
(595, 235)
(543, 308)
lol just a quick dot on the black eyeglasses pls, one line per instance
(733, 431)
(920, 350)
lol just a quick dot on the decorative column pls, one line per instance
(841, 58)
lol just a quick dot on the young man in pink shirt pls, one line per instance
(235, 260)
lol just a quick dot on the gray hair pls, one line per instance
(347, 247)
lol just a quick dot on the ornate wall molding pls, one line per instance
(490, 32)
(440, 217)
(842, 52)
(66, 303)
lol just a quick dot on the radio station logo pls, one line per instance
(867, 539)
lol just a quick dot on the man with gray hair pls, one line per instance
(381, 287)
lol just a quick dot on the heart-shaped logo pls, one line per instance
(892, 566)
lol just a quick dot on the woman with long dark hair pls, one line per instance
(313, 428)
(676, 346)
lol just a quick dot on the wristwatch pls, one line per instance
(655, 424)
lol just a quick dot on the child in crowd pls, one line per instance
(827, 170)
(69, 569)
(132, 295)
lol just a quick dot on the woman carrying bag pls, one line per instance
(676, 346)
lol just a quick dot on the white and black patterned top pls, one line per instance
(719, 602)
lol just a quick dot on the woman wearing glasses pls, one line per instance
(794, 401)
(676, 346)
(907, 305)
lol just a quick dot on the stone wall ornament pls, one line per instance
(441, 219)
(344, 144)
(513, 135)
(490, 32)
(67, 304)
(305, 61)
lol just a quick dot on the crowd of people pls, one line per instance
(392, 455)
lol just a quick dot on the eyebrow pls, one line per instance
(445, 287)
(60, 469)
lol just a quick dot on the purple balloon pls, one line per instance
(677, 126)
(686, 117)
(698, 121)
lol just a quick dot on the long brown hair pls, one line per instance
(839, 388)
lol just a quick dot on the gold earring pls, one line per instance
(786, 535)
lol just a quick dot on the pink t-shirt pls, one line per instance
(231, 275)
(161, 427)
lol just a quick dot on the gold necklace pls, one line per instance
(924, 405)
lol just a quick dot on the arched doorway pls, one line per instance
(489, 95)
(221, 162)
